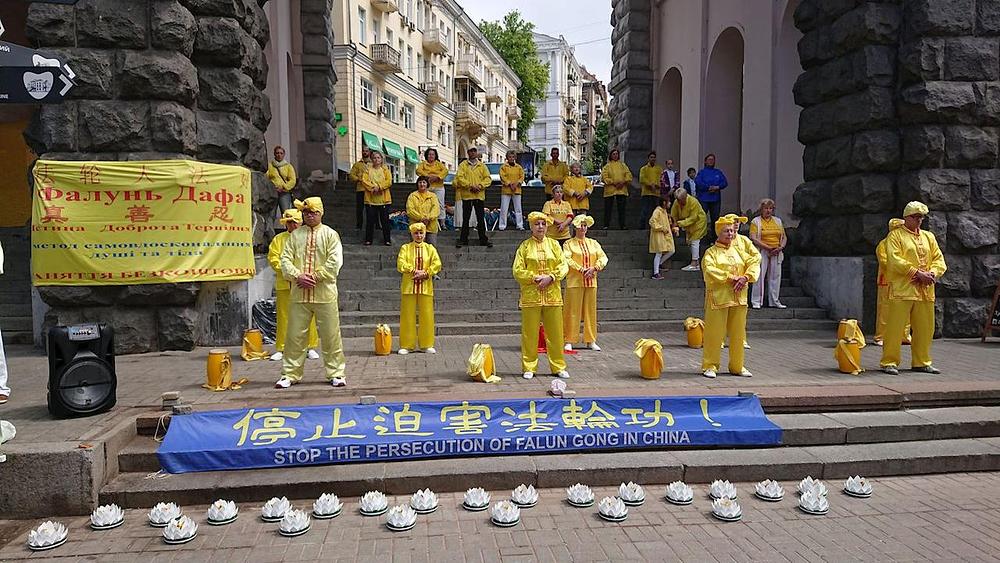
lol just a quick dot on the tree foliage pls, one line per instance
(512, 38)
(598, 156)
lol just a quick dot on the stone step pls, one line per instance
(16, 336)
(612, 286)
(15, 324)
(14, 309)
(649, 468)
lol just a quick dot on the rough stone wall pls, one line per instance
(316, 155)
(901, 101)
(157, 79)
(631, 108)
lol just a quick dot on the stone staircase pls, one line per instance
(15, 286)
(478, 293)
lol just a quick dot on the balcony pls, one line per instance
(571, 121)
(469, 118)
(466, 69)
(514, 111)
(385, 58)
(435, 91)
(494, 132)
(571, 135)
(435, 41)
(387, 6)
(494, 95)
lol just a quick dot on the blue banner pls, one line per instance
(287, 436)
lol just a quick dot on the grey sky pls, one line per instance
(584, 23)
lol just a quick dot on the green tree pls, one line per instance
(598, 156)
(512, 38)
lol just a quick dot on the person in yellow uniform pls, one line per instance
(554, 172)
(768, 235)
(311, 261)
(291, 219)
(882, 300)
(577, 190)
(436, 171)
(354, 175)
(689, 215)
(422, 207)
(471, 182)
(281, 173)
(727, 270)
(585, 258)
(649, 185)
(617, 178)
(377, 179)
(539, 267)
(914, 263)
(419, 262)
(661, 237)
(511, 177)
(561, 214)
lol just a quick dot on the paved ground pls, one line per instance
(939, 518)
(793, 362)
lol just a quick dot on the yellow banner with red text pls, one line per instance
(167, 221)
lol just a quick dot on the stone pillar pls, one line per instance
(317, 157)
(631, 109)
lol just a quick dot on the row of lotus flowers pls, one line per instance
(179, 528)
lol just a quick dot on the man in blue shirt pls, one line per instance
(710, 182)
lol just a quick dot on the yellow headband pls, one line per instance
(310, 204)
(727, 220)
(418, 228)
(539, 216)
(581, 220)
(291, 216)
(915, 208)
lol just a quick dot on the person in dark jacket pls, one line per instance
(710, 182)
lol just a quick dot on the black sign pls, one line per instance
(16, 55)
(33, 85)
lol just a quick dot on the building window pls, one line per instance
(408, 116)
(409, 61)
(388, 35)
(430, 127)
(367, 95)
(389, 103)
(376, 30)
(362, 26)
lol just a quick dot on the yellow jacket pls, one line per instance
(649, 179)
(559, 213)
(282, 176)
(511, 175)
(377, 179)
(748, 249)
(317, 251)
(412, 257)
(615, 172)
(274, 259)
(580, 255)
(423, 207)
(355, 174)
(880, 253)
(578, 186)
(534, 258)
(690, 217)
(553, 174)
(661, 236)
(720, 266)
(437, 168)
(906, 252)
(469, 177)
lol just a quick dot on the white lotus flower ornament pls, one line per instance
(813, 503)
(769, 489)
(722, 489)
(476, 499)
(294, 523)
(47, 535)
(631, 493)
(374, 503)
(612, 508)
(180, 530)
(580, 495)
(222, 511)
(525, 496)
(505, 514)
(327, 506)
(274, 510)
(680, 492)
(726, 509)
(858, 486)
(424, 501)
(161, 514)
(810, 484)
(106, 517)
(400, 518)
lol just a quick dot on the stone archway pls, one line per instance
(723, 112)
(668, 116)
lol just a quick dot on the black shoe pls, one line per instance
(459, 244)
(487, 244)
(927, 369)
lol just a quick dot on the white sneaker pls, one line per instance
(779, 305)
(568, 347)
(403, 352)
(338, 382)
(528, 374)
(746, 345)
(755, 306)
(277, 357)
(744, 373)
(312, 354)
(430, 350)
(595, 347)
(283, 383)
(877, 342)
(709, 373)
(690, 268)
(563, 374)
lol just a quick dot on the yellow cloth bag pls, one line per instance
(650, 354)
(695, 328)
(848, 329)
(481, 366)
(848, 356)
(219, 372)
(253, 345)
(383, 340)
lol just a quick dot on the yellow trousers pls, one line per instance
(408, 332)
(551, 320)
(281, 306)
(882, 316)
(580, 303)
(327, 319)
(920, 315)
(719, 323)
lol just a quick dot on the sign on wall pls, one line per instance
(112, 223)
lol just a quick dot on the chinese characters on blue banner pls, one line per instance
(277, 437)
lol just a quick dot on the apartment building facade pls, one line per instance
(414, 74)
(557, 123)
(593, 108)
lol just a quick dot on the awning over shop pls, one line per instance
(392, 149)
(411, 155)
(371, 141)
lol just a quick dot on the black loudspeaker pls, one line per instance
(82, 379)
